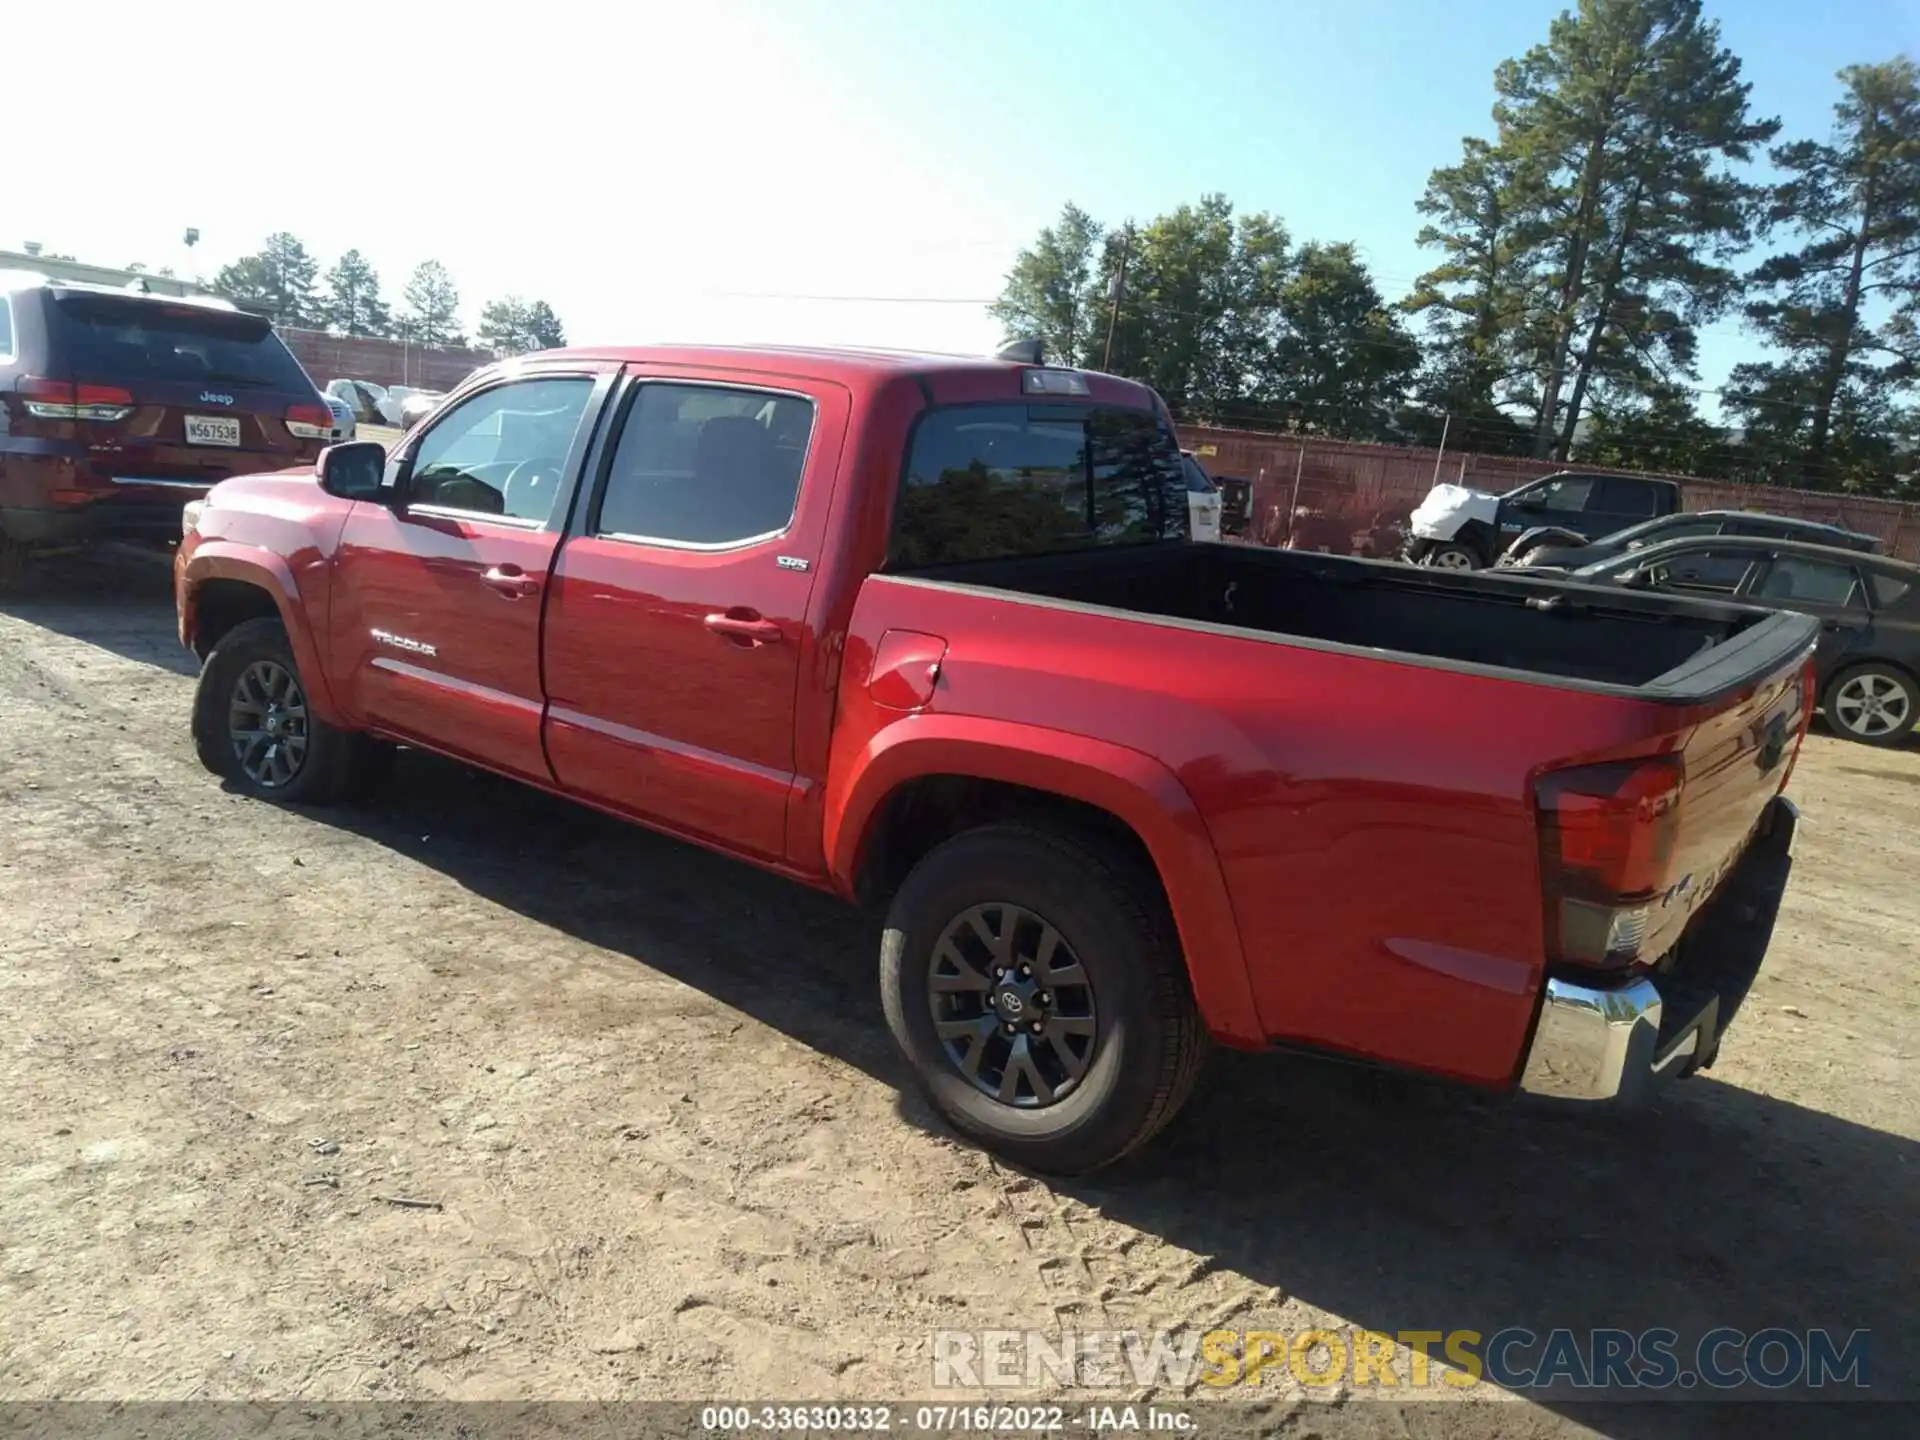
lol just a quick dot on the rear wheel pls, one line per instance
(1035, 984)
(253, 726)
(1875, 704)
(1454, 556)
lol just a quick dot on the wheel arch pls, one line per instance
(921, 781)
(223, 585)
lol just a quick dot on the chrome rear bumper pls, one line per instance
(1610, 1043)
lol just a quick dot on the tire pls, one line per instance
(1454, 556)
(13, 564)
(1874, 703)
(331, 762)
(1146, 1042)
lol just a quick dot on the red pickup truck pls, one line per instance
(931, 633)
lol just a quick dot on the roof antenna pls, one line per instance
(1021, 352)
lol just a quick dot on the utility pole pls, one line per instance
(1119, 289)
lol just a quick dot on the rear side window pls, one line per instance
(106, 338)
(6, 329)
(706, 465)
(1628, 497)
(1811, 582)
(985, 481)
(1716, 570)
(1887, 591)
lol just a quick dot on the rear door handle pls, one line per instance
(747, 626)
(511, 581)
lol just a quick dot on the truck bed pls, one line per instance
(1660, 647)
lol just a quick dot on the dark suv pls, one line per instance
(116, 408)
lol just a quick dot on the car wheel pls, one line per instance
(253, 727)
(1875, 704)
(1454, 557)
(1035, 983)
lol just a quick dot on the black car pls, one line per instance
(1552, 547)
(1867, 665)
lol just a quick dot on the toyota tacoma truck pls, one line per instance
(932, 633)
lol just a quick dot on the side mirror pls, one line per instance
(353, 471)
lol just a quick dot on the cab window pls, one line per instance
(502, 453)
(1560, 497)
(706, 466)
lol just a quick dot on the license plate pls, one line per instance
(213, 430)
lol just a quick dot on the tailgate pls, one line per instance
(1735, 762)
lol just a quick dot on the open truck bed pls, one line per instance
(1660, 648)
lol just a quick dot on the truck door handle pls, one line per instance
(744, 625)
(511, 581)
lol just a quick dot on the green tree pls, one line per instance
(432, 315)
(1841, 310)
(544, 330)
(513, 326)
(352, 304)
(1620, 210)
(1663, 432)
(1478, 303)
(1220, 313)
(1053, 294)
(1340, 360)
(277, 280)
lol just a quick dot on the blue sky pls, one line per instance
(664, 170)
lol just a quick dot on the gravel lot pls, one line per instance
(651, 1102)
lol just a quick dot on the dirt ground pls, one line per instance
(650, 1099)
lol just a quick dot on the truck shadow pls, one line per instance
(1395, 1203)
(117, 598)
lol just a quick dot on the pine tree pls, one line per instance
(433, 307)
(1617, 139)
(278, 280)
(352, 305)
(1842, 309)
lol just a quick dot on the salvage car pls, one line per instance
(933, 634)
(116, 408)
(1553, 547)
(1867, 666)
(1457, 527)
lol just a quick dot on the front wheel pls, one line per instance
(1454, 557)
(1034, 982)
(1874, 703)
(253, 726)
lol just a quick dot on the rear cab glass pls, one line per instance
(988, 481)
(109, 338)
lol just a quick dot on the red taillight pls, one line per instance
(310, 422)
(62, 400)
(1607, 839)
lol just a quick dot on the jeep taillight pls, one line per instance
(310, 422)
(1607, 837)
(62, 400)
